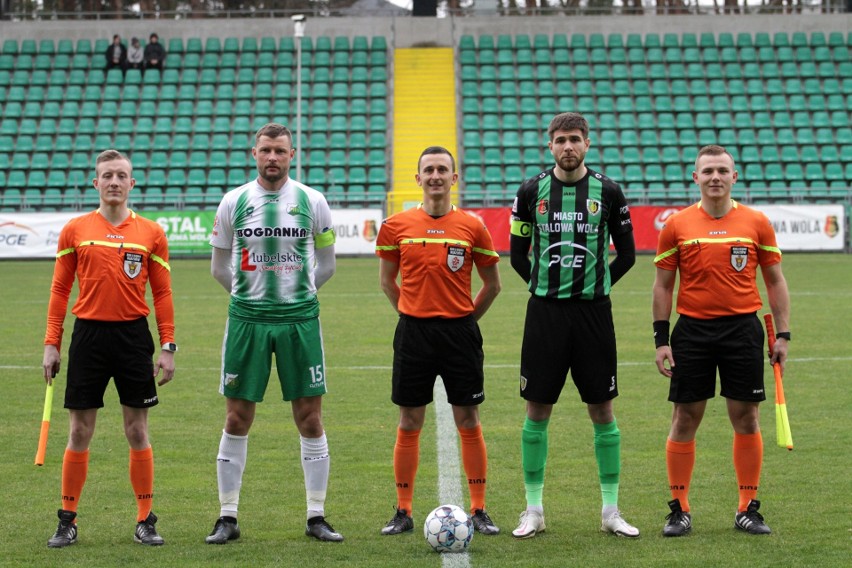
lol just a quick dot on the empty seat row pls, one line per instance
(170, 108)
(616, 40)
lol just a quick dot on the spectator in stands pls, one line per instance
(116, 54)
(155, 54)
(135, 55)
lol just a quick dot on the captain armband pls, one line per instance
(520, 228)
(661, 333)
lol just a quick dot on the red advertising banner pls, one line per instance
(797, 227)
(497, 220)
(647, 222)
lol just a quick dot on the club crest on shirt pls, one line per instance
(132, 264)
(594, 206)
(543, 207)
(739, 256)
(455, 258)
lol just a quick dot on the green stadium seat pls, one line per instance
(193, 45)
(674, 174)
(28, 47)
(37, 179)
(834, 172)
(671, 40)
(813, 173)
(784, 55)
(654, 174)
(780, 39)
(10, 47)
(16, 179)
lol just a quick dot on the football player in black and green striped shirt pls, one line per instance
(562, 222)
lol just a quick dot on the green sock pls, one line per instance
(534, 459)
(608, 454)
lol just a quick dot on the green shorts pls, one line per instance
(247, 359)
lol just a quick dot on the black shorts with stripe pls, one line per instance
(101, 350)
(424, 348)
(562, 336)
(733, 345)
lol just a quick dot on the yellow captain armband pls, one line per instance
(325, 239)
(520, 228)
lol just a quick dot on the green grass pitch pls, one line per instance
(805, 493)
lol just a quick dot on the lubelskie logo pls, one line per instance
(245, 265)
(249, 261)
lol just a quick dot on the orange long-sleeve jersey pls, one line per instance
(112, 265)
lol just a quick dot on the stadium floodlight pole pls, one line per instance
(298, 34)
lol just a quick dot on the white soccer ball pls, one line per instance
(448, 529)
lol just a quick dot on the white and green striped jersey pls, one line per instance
(273, 237)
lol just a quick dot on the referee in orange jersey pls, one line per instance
(113, 253)
(717, 245)
(434, 247)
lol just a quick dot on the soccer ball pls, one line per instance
(448, 529)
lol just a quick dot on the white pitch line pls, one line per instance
(449, 469)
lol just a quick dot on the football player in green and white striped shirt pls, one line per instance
(273, 248)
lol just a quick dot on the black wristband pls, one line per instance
(661, 332)
(783, 335)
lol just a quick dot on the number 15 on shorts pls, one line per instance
(317, 375)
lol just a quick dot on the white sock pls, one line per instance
(315, 465)
(230, 464)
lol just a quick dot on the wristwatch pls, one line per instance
(170, 347)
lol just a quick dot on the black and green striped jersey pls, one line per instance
(569, 226)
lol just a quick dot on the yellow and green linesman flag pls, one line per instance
(782, 422)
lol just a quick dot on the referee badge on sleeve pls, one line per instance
(455, 258)
(132, 264)
(739, 256)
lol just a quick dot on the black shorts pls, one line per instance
(732, 344)
(426, 348)
(102, 350)
(569, 335)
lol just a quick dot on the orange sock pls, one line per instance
(75, 467)
(748, 459)
(142, 480)
(475, 461)
(680, 461)
(406, 458)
